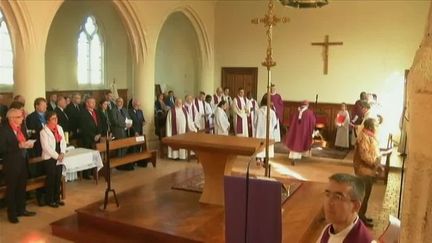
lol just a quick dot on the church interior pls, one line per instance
(326, 55)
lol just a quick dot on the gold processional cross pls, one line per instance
(269, 20)
(326, 45)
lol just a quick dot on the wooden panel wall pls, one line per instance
(97, 94)
(325, 113)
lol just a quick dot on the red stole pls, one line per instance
(239, 125)
(56, 133)
(19, 134)
(174, 120)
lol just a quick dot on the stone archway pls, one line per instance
(205, 56)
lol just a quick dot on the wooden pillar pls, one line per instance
(417, 196)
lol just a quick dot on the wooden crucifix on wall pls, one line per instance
(326, 45)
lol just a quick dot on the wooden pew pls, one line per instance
(35, 183)
(130, 157)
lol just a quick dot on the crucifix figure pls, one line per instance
(326, 45)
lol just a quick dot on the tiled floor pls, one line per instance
(81, 193)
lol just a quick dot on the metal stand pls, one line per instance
(108, 176)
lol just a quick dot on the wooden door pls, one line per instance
(240, 77)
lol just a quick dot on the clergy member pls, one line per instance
(177, 122)
(342, 125)
(277, 102)
(192, 111)
(222, 124)
(299, 139)
(252, 106)
(218, 97)
(240, 113)
(343, 197)
(209, 117)
(260, 122)
(199, 104)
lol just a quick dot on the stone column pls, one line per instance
(29, 74)
(144, 83)
(417, 197)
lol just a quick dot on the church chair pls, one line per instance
(386, 152)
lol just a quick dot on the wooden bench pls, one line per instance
(130, 157)
(35, 183)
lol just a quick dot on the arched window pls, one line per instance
(6, 54)
(90, 54)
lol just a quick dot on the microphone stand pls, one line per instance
(108, 173)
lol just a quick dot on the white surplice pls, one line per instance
(260, 121)
(221, 125)
(181, 125)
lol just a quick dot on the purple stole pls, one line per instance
(174, 120)
(197, 105)
(358, 234)
(239, 125)
(193, 111)
(249, 119)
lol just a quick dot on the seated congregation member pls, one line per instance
(367, 165)
(342, 122)
(89, 126)
(104, 117)
(342, 202)
(221, 122)
(240, 113)
(13, 150)
(62, 117)
(260, 123)
(119, 128)
(299, 139)
(178, 122)
(53, 150)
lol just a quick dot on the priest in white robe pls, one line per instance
(178, 122)
(218, 97)
(199, 103)
(222, 124)
(240, 113)
(252, 106)
(260, 122)
(209, 117)
(192, 111)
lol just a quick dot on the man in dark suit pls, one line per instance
(63, 118)
(35, 122)
(89, 126)
(73, 112)
(138, 121)
(52, 102)
(13, 151)
(119, 127)
(109, 97)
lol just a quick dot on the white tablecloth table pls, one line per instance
(80, 159)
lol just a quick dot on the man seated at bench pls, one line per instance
(13, 147)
